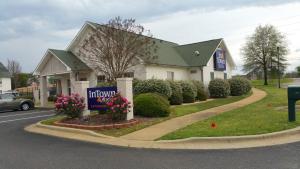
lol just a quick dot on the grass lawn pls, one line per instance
(257, 118)
(176, 111)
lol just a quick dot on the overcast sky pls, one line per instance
(29, 27)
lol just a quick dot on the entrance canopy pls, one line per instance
(59, 62)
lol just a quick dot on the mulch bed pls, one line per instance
(97, 122)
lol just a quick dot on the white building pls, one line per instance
(201, 61)
(5, 80)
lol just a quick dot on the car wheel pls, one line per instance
(25, 106)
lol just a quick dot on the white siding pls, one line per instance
(6, 84)
(217, 74)
(197, 75)
(160, 72)
(53, 66)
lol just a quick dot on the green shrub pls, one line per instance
(176, 97)
(135, 82)
(201, 93)
(153, 86)
(189, 92)
(151, 105)
(219, 88)
(239, 86)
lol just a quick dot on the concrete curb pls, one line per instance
(233, 142)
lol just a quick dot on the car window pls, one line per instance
(7, 96)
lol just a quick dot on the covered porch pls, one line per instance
(65, 69)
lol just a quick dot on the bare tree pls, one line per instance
(14, 69)
(261, 51)
(117, 46)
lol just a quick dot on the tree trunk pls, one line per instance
(265, 71)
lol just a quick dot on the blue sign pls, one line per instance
(220, 60)
(98, 96)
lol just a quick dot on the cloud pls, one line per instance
(29, 27)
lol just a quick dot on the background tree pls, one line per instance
(117, 46)
(260, 51)
(298, 70)
(14, 69)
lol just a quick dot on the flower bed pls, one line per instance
(96, 122)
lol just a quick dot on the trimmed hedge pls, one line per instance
(153, 86)
(151, 105)
(239, 86)
(219, 88)
(189, 92)
(201, 94)
(176, 97)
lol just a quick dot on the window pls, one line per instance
(193, 71)
(170, 75)
(212, 75)
(83, 79)
(129, 74)
(0, 82)
(100, 78)
(225, 76)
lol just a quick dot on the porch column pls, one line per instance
(64, 86)
(93, 79)
(58, 87)
(124, 86)
(43, 91)
(72, 81)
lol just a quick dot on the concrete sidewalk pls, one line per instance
(156, 131)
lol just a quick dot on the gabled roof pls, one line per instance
(206, 50)
(69, 59)
(3, 71)
(170, 53)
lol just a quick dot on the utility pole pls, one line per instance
(278, 67)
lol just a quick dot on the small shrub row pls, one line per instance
(219, 88)
(177, 92)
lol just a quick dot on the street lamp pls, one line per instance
(278, 67)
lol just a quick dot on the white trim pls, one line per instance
(232, 62)
(36, 72)
(78, 35)
(68, 68)
(41, 61)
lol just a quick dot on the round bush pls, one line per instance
(153, 86)
(176, 97)
(239, 86)
(151, 105)
(219, 88)
(189, 92)
(201, 94)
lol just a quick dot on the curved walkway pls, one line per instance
(156, 131)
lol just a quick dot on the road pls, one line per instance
(22, 150)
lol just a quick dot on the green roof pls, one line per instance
(68, 58)
(206, 49)
(3, 71)
(169, 53)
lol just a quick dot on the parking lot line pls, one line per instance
(25, 118)
(23, 114)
